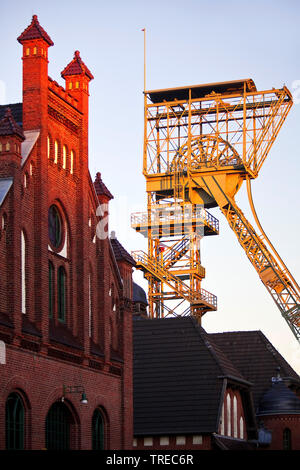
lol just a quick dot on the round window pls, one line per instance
(54, 226)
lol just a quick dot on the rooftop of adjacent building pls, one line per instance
(178, 371)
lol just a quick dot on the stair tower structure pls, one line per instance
(200, 144)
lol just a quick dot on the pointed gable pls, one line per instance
(8, 125)
(100, 188)
(77, 67)
(35, 31)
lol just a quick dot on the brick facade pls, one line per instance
(89, 343)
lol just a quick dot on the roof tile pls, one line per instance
(35, 31)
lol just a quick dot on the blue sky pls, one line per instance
(188, 42)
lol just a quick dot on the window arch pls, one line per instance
(14, 422)
(287, 439)
(58, 427)
(61, 294)
(98, 430)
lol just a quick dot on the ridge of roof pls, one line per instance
(77, 67)
(226, 366)
(35, 31)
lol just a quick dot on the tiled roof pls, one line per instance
(77, 67)
(35, 31)
(255, 357)
(8, 125)
(178, 377)
(119, 251)
(101, 189)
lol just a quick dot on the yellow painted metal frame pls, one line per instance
(197, 153)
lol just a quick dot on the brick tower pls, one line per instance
(65, 309)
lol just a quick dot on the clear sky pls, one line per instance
(188, 42)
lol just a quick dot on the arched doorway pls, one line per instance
(59, 426)
(14, 422)
(98, 430)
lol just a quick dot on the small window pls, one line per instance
(0, 147)
(48, 146)
(71, 162)
(287, 439)
(228, 415)
(27, 51)
(56, 152)
(7, 146)
(34, 50)
(70, 85)
(77, 85)
(64, 157)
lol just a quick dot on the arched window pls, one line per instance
(241, 427)
(222, 431)
(71, 162)
(23, 272)
(48, 146)
(51, 289)
(90, 305)
(58, 424)
(55, 151)
(287, 439)
(228, 415)
(14, 422)
(98, 431)
(64, 165)
(61, 294)
(54, 226)
(235, 417)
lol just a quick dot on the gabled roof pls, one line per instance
(8, 125)
(35, 31)
(77, 67)
(255, 357)
(101, 189)
(119, 251)
(178, 377)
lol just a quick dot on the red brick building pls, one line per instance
(65, 299)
